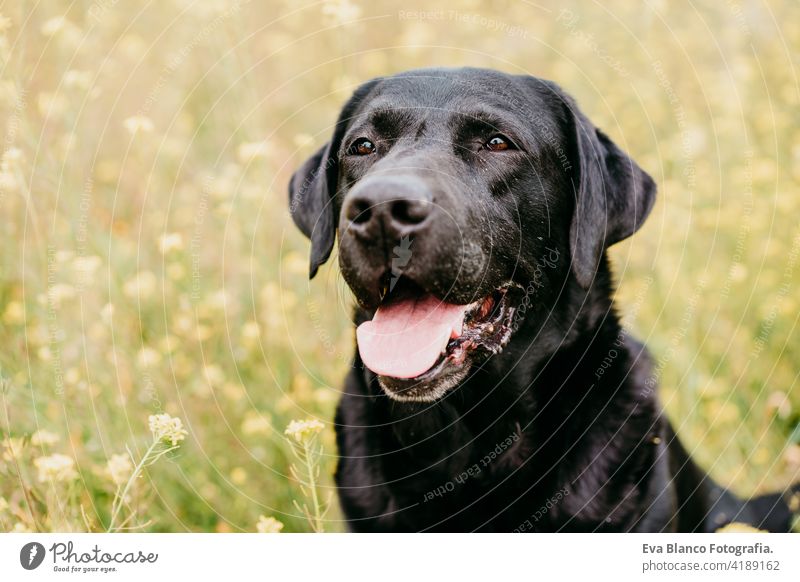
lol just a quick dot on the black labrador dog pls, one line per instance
(494, 388)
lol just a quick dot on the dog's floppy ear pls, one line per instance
(613, 194)
(311, 205)
(313, 187)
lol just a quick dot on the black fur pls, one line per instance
(562, 430)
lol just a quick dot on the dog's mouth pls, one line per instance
(420, 345)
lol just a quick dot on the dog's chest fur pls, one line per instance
(505, 463)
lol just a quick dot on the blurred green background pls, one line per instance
(149, 264)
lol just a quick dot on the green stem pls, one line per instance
(119, 500)
(5, 384)
(312, 482)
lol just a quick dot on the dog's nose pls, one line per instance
(386, 208)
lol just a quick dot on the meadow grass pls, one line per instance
(149, 266)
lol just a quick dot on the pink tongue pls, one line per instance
(406, 337)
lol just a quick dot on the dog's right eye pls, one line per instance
(499, 143)
(361, 147)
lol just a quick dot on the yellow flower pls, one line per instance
(268, 525)
(736, 527)
(8, 182)
(44, 437)
(141, 286)
(303, 140)
(326, 396)
(792, 457)
(86, 267)
(170, 242)
(59, 292)
(304, 430)
(340, 11)
(738, 272)
(119, 468)
(77, 79)
(167, 428)
(138, 123)
(52, 26)
(255, 424)
(233, 391)
(51, 104)
(251, 331)
(133, 46)
(176, 271)
(13, 449)
(107, 313)
(3, 504)
(779, 403)
(14, 313)
(55, 468)
(295, 263)
(147, 357)
(107, 170)
(72, 376)
(238, 475)
(217, 300)
(12, 158)
(64, 255)
(214, 375)
(249, 151)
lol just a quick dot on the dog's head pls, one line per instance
(461, 199)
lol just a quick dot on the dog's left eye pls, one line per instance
(361, 147)
(498, 143)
